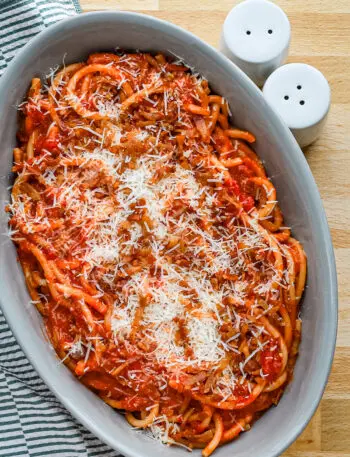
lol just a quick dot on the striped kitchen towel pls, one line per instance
(20, 20)
(32, 421)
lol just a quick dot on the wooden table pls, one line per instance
(320, 37)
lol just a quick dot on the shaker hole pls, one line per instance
(299, 86)
(270, 31)
(286, 97)
(302, 102)
(248, 32)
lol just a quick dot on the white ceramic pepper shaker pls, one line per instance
(301, 95)
(256, 36)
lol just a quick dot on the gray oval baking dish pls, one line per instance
(73, 40)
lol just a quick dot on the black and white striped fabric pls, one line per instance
(20, 20)
(32, 421)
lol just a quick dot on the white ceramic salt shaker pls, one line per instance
(301, 95)
(256, 36)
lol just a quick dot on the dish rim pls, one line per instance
(22, 339)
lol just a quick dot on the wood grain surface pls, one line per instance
(320, 37)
